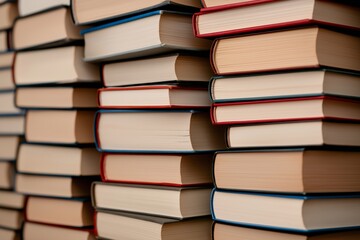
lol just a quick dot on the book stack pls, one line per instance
(11, 131)
(287, 88)
(154, 128)
(58, 161)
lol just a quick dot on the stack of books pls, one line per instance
(154, 128)
(11, 131)
(58, 161)
(287, 88)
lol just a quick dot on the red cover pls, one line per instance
(104, 177)
(300, 22)
(147, 87)
(323, 97)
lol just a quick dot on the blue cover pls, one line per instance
(291, 196)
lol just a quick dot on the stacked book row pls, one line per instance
(287, 89)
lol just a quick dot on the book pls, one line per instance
(214, 4)
(11, 199)
(28, 7)
(12, 125)
(4, 44)
(6, 59)
(58, 160)
(117, 225)
(6, 82)
(286, 109)
(171, 202)
(66, 66)
(37, 231)
(7, 174)
(55, 28)
(59, 126)
(173, 68)
(294, 170)
(156, 96)
(302, 133)
(310, 47)
(7, 234)
(287, 212)
(158, 169)
(264, 15)
(156, 131)
(159, 32)
(11, 218)
(78, 212)
(9, 147)
(83, 10)
(285, 84)
(229, 232)
(56, 97)
(8, 13)
(7, 104)
(54, 186)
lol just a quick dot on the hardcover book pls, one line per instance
(176, 202)
(7, 104)
(172, 68)
(6, 58)
(302, 133)
(11, 199)
(6, 82)
(160, 131)
(54, 28)
(11, 218)
(157, 169)
(120, 225)
(310, 47)
(12, 125)
(294, 213)
(286, 109)
(44, 232)
(9, 147)
(254, 16)
(296, 170)
(284, 85)
(8, 13)
(142, 35)
(155, 96)
(28, 7)
(83, 10)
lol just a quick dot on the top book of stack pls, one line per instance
(258, 15)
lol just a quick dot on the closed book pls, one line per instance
(287, 109)
(160, 131)
(36, 231)
(284, 85)
(263, 15)
(310, 47)
(7, 174)
(28, 7)
(170, 202)
(295, 213)
(6, 82)
(11, 199)
(58, 160)
(58, 211)
(7, 104)
(12, 125)
(56, 97)
(120, 225)
(4, 41)
(157, 169)
(60, 126)
(156, 96)
(8, 234)
(8, 13)
(302, 133)
(11, 218)
(142, 35)
(109, 9)
(9, 147)
(223, 231)
(172, 68)
(55, 65)
(53, 186)
(296, 170)
(54, 28)
(6, 58)
(209, 5)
